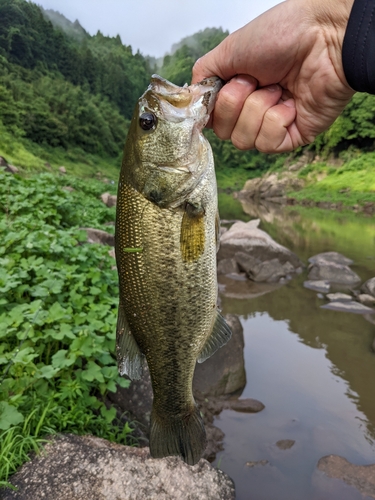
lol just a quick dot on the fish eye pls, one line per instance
(147, 121)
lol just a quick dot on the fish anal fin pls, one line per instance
(184, 436)
(129, 357)
(220, 335)
(192, 237)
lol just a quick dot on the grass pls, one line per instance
(352, 183)
(31, 157)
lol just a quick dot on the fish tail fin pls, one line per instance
(183, 436)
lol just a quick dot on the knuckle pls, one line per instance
(241, 142)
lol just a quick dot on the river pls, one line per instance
(312, 368)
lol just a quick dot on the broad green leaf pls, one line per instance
(9, 415)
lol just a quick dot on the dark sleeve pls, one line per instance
(358, 51)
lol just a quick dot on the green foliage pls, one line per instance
(57, 316)
(352, 183)
(177, 67)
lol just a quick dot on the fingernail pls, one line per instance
(273, 88)
(290, 103)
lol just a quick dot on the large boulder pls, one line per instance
(223, 373)
(257, 254)
(334, 268)
(90, 468)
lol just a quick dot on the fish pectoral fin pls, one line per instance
(192, 236)
(220, 335)
(129, 357)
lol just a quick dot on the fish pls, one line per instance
(166, 239)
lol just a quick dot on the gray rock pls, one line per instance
(353, 307)
(90, 468)
(248, 238)
(269, 271)
(336, 257)
(339, 297)
(318, 285)
(12, 169)
(285, 444)
(99, 236)
(361, 477)
(367, 300)
(246, 405)
(369, 287)
(224, 372)
(227, 266)
(62, 170)
(109, 199)
(256, 463)
(333, 272)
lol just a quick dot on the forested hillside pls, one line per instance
(66, 96)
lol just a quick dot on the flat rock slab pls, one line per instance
(369, 287)
(353, 307)
(90, 468)
(318, 285)
(339, 297)
(361, 477)
(336, 257)
(245, 405)
(333, 272)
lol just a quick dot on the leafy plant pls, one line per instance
(57, 317)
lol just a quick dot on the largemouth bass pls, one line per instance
(167, 227)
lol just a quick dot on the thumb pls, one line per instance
(217, 62)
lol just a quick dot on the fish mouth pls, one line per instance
(178, 103)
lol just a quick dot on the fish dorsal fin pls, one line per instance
(129, 357)
(192, 237)
(220, 335)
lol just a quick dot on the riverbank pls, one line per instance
(336, 185)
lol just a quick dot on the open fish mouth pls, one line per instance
(190, 101)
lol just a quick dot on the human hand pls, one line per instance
(286, 82)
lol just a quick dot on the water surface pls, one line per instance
(312, 368)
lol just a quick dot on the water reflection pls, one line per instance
(312, 368)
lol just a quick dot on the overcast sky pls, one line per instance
(153, 26)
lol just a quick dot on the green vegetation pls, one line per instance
(350, 184)
(58, 309)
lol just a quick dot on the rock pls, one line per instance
(68, 188)
(259, 462)
(339, 297)
(246, 405)
(90, 468)
(269, 271)
(369, 287)
(48, 165)
(62, 170)
(333, 272)
(223, 373)
(367, 300)
(353, 307)
(112, 253)
(361, 477)
(318, 285)
(227, 266)
(248, 238)
(109, 199)
(3, 162)
(12, 169)
(99, 236)
(331, 257)
(285, 444)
